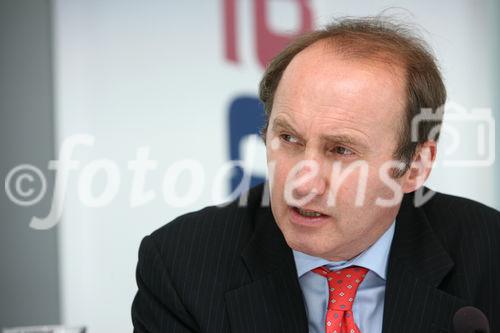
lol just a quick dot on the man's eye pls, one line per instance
(289, 138)
(343, 151)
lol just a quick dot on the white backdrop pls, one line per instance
(156, 75)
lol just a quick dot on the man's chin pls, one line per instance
(307, 247)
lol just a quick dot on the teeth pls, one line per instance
(308, 213)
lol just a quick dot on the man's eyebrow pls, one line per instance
(279, 123)
(339, 138)
(342, 138)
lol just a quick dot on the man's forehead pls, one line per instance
(319, 78)
(323, 56)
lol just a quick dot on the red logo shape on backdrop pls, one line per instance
(268, 43)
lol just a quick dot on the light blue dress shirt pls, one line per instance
(368, 306)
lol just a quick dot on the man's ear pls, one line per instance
(420, 167)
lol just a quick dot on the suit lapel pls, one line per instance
(418, 263)
(273, 301)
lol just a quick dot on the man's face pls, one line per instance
(329, 114)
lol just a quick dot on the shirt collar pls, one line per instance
(374, 258)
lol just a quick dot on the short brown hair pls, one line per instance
(380, 39)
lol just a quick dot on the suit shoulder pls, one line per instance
(208, 231)
(208, 225)
(461, 208)
(453, 215)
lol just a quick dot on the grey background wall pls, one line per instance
(29, 288)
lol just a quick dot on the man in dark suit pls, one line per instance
(347, 243)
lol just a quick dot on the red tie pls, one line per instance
(342, 286)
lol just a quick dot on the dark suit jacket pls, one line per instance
(230, 270)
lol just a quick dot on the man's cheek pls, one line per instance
(347, 189)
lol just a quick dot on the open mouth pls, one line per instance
(307, 213)
(307, 217)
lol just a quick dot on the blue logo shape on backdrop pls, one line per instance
(246, 117)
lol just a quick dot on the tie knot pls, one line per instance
(342, 285)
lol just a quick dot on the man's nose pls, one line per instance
(309, 179)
